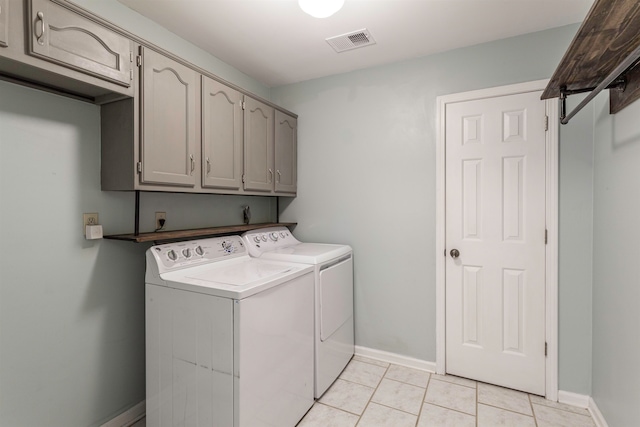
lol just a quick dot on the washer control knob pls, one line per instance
(264, 238)
(199, 250)
(227, 246)
(172, 255)
(282, 234)
(273, 236)
(256, 239)
(186, 252)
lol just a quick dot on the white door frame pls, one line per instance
(551, 218)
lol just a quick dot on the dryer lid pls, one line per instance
(309, 253)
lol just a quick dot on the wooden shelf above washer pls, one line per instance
(161, 236)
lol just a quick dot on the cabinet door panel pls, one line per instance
(61, 36)
(258, 148)
(286, 133)
(4, 23)
(222, 136)
(170, 102)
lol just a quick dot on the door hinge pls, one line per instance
(139, 60)
(546, 123)
(545, 349)
(546, 236)
(139, 167)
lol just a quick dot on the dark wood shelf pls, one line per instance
(610, 32)
(161, 236)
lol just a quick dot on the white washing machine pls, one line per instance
(333, 271)
(229, 338)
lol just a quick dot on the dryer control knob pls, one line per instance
(282, 234)
(274, 236)
(172, 255)
(264, 238)
(199, 250)
(256, 239)
(186, 252)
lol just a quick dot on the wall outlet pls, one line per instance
(88, 219)
(161, 220)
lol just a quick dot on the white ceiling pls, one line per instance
(276, 43)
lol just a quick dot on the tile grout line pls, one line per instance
(424, 396)
(372, 394)
(535, 420)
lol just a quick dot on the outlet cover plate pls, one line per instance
(89, 219)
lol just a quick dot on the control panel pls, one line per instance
(195, 252)
(268, 239)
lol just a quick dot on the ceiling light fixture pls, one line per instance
(321, 8)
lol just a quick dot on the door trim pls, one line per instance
(551, 219)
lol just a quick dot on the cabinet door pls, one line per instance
(258, 146)
(170, 109)
(221, 136)
(61, 36)
(286, 134)
(4, 23)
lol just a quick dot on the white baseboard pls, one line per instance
(128, 417)
(573, 399)
(583, 401)
(596, 414)
(394, 358)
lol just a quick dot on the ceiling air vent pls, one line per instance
(353, 40)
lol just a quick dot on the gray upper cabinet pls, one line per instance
(258, 146)
(286, 134)
(4, 23)
(222, 136)
(170, 121)
(58, 35)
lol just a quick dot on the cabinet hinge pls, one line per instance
(139, 60)
(546, 123)
(546, 236)
(139, 167)
(545, 349)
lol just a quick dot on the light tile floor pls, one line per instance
(370, 393)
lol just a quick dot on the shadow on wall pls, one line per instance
(115, 297)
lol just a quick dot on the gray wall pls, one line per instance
(616, 278)
(366, 162)
(576, 249)
(71, 310)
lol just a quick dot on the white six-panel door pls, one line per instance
(495, 220)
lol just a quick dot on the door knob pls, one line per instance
(454, 253)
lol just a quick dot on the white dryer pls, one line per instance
(229, 338)
(333, 267)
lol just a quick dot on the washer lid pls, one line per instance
(308, 253)
(242, 273)
(236, 278)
